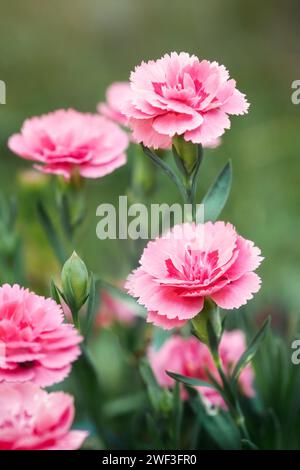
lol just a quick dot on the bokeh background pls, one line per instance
(62, 54)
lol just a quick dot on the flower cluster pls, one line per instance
(37, 350)
(178, 100)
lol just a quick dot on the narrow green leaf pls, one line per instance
(124, 405)
(89, 388)
(91, 308)
(163, 166)
(54, 292)
(65, 216)
(154, 390)
(51, 232)
(159, 337)
(216, 197)
(248, 445)
(195, 175)
(177, 415)
(219, 427)
(250, 352)
(190, 381)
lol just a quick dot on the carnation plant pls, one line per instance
(191, 381)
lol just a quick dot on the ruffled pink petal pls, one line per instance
(238, 292)
(164, 322)
(171, 123)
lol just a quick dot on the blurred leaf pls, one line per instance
(54, 292)
(219, 427)
(88, 386)
(177, 416)
(156, 440)
(216, 197)
(155, 392)
(159, 337)
(250, 352)
(91, 308)
(124, 405)
(51, 233)
(248, 445)
(65, 215)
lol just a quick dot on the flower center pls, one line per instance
(197, 265)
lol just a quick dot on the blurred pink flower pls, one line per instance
(190, 357)
(39, 347)
(32, 419)
(179, 94)
(66, 140)
(113, 309)
(117, 94)
(190, 263)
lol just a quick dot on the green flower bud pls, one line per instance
(75, 279)
(207, 325)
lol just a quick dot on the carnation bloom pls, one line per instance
(179, 94)
(37, 345)
(190, 357)
(190, 263)
(114, 309)
(65, 141)
(117, 94)
(32, 419)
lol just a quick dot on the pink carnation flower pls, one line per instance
(117, 95)
(113, 309)
(190, 357)
(179, 94)
(66, 140)
(37, 345)
(193, 262)
(32, 419)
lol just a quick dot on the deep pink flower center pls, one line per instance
(184, 87)
(197, 266)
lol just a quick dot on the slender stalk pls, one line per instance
(232, 400)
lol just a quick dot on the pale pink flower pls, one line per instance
(117, 95)
(192, 262)
(179, 94)
(38, 346)
(32, 419)
(67, 141)
(190, 357)
(113, 309)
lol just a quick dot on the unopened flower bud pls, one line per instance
(75, 278)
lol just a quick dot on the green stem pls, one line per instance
(232, 400)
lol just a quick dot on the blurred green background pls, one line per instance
(65, 53)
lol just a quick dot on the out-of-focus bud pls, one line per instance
(187, 151)
(75, 280)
